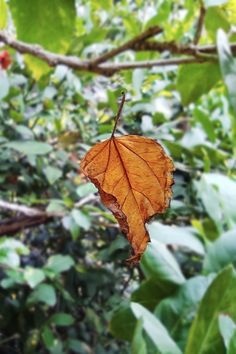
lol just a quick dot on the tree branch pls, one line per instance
(20, 208)
(150, 32)
(139, 43)
(26, 210)
(16, 224)
(200, 24)
(31, 216)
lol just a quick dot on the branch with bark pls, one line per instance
(193, 53)
(26, 217)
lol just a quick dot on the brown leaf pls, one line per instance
(134, 177)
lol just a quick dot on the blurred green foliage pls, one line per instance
(64, 285)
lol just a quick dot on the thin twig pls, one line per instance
(150, 32)
(86, 200)
(31, 217)
(118, 114)
(8, 339)
(200, 24)
(20, 208)
(154, 63)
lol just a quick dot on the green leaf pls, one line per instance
(192, 83)
(43, 293)
(10, 251)
(56, 205)
(62, 319)
(209, 196)
(85, 189)
(232, 344)
(52, 174)
(151, 292)
(30, 147)
(81, 219)
(14, 277)
(4, 84)
(47, 23)
(48, 337)
(218, 193)
(215, 18)
(203, 117)
(176, 235)
(227, 65)
(122, 323)
(138, 343)
(155, 330)
(221, 252)
(33, 276)
(159, 264)
(77, 346)
(204, 336)
(178, 311)
(209, 3)
(59, 263)
(227, 328)
(3, 14)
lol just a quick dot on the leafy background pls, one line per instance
(64, 285)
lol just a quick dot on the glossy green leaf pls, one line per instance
(192, 83)
(227, 65)
(227, 329)
(232, 344)
(210, 199)
(81, 219)
(86, 189)
(155, 330)
(177, 311)
(204, 118)
(138, 342)
(204, 336)
(3, 14)
(48, 337)
(47, 23)
(43, 293)
(175, 235)
(52, 174)
(215, 18)
(159, 264)
(33, 276)
(30, 147)
(209, 3)
(218, 193)
(151, 292)
(123, 315)
(59, 263)
(62, 319)
(4, 84)
(221, 252)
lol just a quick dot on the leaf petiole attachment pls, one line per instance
(119, 113)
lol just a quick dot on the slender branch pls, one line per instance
(86, 200)
(200, 24)
(110, 68)
(26, 210)
(31, 217)
(154, 63)
(118, 114)
(150, 32)
(20, 208)
(16, 224)
(50, 58)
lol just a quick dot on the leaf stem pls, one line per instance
(119, 113)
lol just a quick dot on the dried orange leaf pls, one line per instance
(134, 177)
